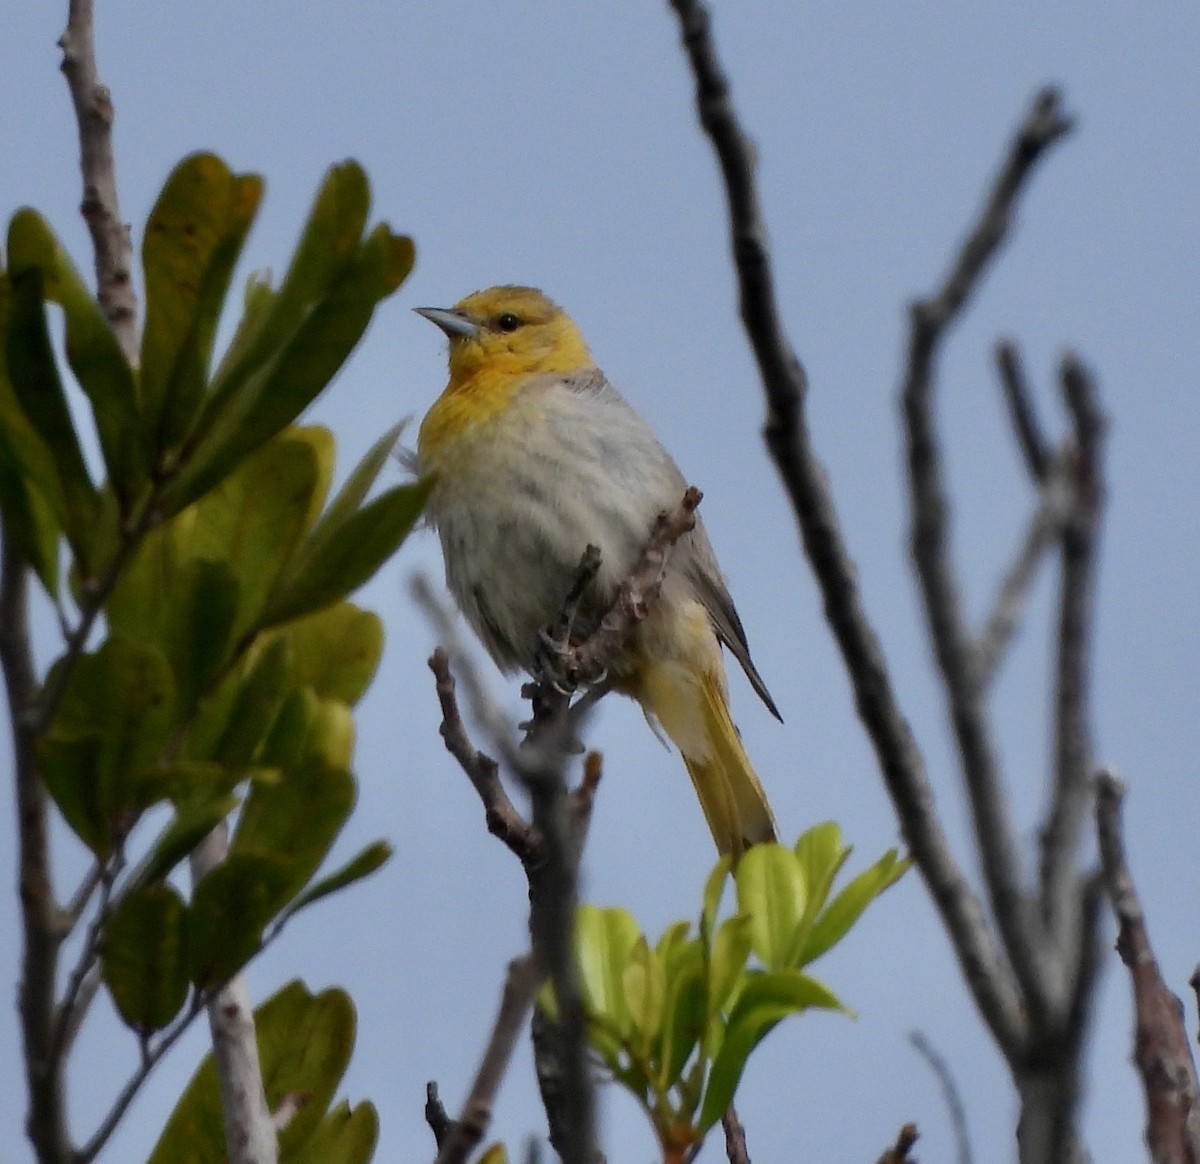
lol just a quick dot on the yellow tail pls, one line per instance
(694, 711)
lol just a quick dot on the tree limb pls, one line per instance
(111, 243)
(465, 1133)
(1162, 1054)
(786, 433)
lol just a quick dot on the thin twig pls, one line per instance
(110, 235)
(468, 1130)
(435, 1114)
(1034, 447)
(789, 442)
(995, 835)
(735, 1137)
(151, 1055)
(1072, 725)
(1005, 619)
(503, 819)
(899, 1152)
(958, 1113)
(1162, 1053)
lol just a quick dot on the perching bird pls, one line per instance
(535, 456)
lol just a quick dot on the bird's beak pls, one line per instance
(454, 323)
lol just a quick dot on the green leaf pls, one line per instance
(302, 337)
(247, 705)
(255, 519)
(766, 999)
(188, 826)
(93, 352)
(348, 555)
(730, 949)
(821, 853)
(114, 717)
(714, 888)
(304, 1045)
(192, 241)
(771, 891)
(604, 940)
(336, 651)
(373, 857)
(33, 373)
(645, 986)
(683, 1012)
(846, 908)
(349, 1136)
(230, 908)
(296, 820)
(198, 635)
(145, 956)
(307, 731)
(350, 497)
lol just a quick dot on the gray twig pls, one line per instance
(111, 243)
(958, 1113)
(1021, 411)
(460, 1138)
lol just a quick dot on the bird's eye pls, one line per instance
(508, 322)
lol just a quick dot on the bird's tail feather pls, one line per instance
(694, 712)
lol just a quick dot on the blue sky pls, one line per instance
(556, 145)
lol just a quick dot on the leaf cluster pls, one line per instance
(211, 657)
(675, 1022)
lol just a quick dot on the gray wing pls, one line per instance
(705, 577)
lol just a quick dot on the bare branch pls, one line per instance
(940, 590)
(736, 1151)
(44, 925)
(789, 442)
(503, 819)
(1072, 727)
(468, 1130)
(958, 1113)
(1162, 1053)
(1034, 448)
(1005, 619)
(435, 1114)
(900, 1151)
(110, 235)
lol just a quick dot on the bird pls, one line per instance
(534, 455)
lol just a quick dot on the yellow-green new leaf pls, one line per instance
(683, 1013)
(846, 908)
(192, 241)
(145, 956)
(714, 889)
(727, 961)
(604, 939)
(771, 891)
(765, 999)
(645, 986)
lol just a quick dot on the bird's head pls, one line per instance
(509, 331)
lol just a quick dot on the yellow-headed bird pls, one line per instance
(536, 455)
